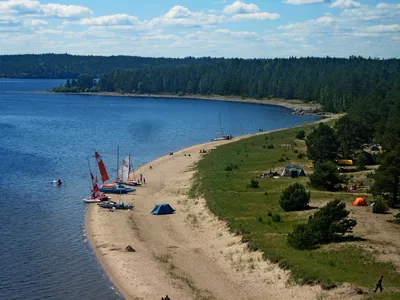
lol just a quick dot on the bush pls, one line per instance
(302, 237)
(276, 218)
(379, 206)
(231, 167)
(255, 184)
(300, 156)
(294, 197)
(270, 146)
(361, 162)
(327, 225)
(325, 176)
(301, 135)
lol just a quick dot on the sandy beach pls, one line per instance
(294, 104)
(187, 255)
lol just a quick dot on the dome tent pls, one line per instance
(162, 209)
(359, 201)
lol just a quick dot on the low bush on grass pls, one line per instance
(294, 197)
(379, 206)
(276, 218)
(327, 225)
(231, 167)
(270, 146)
(255, 184)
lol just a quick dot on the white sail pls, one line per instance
(124, 169)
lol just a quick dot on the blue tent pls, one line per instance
(292, 171)
(162, 209)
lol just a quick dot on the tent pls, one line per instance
(162, 209)
(292, 171)
(374, 148)
(360, 202)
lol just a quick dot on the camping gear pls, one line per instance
(360, 202)
(292, 171)
(344, 162)
(162, 209)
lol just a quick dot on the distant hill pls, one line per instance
(65, 66)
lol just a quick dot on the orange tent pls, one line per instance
(360, 202)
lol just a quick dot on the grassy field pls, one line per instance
(253, 212)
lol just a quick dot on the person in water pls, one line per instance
(59, 182)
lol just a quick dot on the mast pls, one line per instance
(91, 180)
(220, 124)
(118, 162)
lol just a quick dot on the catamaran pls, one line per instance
(111, 188)
(96, 196)
(124, 173)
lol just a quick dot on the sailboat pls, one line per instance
(111, 188)
(96, 197)
(124, 172)
(221, 136)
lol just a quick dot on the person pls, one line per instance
(167, 298)
(141, 177)
(151, 168)
(379, 284)
(59, 182)
(144, 180)
(162, 298)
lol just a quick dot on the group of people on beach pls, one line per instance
(166, 298)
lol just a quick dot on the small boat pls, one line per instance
(221, 136)
(124, 172)
(97, 199)
(113, 205)
(115, 188)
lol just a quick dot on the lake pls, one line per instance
(43, 137)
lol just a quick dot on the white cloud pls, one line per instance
(236, 34)
(238, 7)
(35, 23)
(255, 16)
(180, 15)
(384, 28)
(110, 20)
(30, 7)
(344, 4)
(302, 2)
(382, 12)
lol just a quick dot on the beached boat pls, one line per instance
(96, 196)
(115, 188)
(220, 135)
(110, 188)
(113, 205)
(124, 173)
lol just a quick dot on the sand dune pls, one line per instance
(187, 255)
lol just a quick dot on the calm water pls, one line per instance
(45, 254)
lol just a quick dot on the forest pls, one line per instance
(63, 66)
(336, 83)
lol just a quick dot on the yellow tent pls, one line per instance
(344, 162)
(360, 202)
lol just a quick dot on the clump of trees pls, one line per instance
(325, 176)
(294, 197)
(329, 224)
(85, 83)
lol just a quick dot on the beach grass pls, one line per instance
(224, 177)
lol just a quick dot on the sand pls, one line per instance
(187, 255)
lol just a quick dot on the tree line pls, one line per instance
(63, 66)
(336, 83)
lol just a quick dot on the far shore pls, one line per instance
(190, 254)
(298, 106)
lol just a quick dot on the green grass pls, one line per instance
(249, 210)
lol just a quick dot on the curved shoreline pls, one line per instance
(293, 104)
(188, 255)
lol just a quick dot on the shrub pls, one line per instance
(361, 162)
(294, 197)
(282, 159)
(254, 184)
(379, 206)
(276, 218)
(301, 135)
(231, 167)
(327, 225)
(325, 176)
(300, 156)
(270, 146)
(296, 151)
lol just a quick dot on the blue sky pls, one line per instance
(218, 28)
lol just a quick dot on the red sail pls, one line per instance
(102, 168)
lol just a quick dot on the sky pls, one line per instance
(216, 28)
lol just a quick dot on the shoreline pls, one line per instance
(297, 106)
(188, 255)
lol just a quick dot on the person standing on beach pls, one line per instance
(379, 284)
(144, 180)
